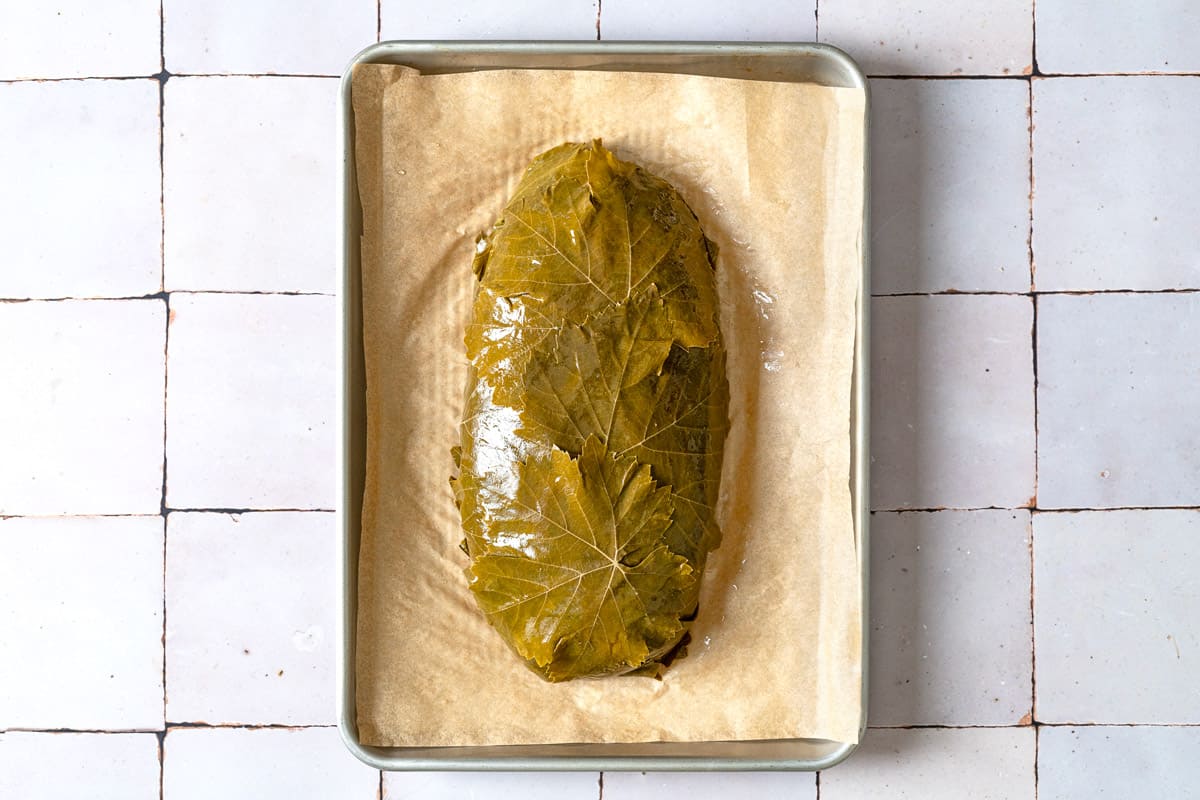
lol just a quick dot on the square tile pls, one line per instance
(87, 421)
(937, 580)
(1082, 763)
(491, 785)
(1163, 36)
(250, 188)
(1117, 616)
(945, 155)
(923, 37)
(263, 764)
(709, 785)
(251, 618)
(937, 764)
(78, 39)
(81, 610)
(1117, 400)
(1117, 198)
(251, 402)
(80, 215)
(53, 766)
(952, 402)
(305, 37)
(484, 19)
(753, 20)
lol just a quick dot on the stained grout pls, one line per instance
(601, 787)
(870, 76)
(160, 295)
(249, 510)
(1037, 740)
(171, 726)
(599, 8)
(1035, 293)
(162, 77)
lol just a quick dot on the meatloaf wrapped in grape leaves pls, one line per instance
(596, 411)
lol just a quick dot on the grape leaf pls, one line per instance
(593, 347)
(580, 578)
(622, 378)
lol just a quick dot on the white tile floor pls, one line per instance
(1035, 394)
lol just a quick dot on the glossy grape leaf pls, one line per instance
(593, 336)
(583, 232)
(622, 378)
(579, 578)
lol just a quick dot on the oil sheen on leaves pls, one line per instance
(595, 416)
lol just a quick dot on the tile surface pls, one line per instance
(923, 37)
(1163, 36)
(251, 617)
(1117, 616)
(491, 785)
(78, 39)
(1116, 401)
(952, 402)
(951, 630)
(53, 766)
(1114, 185)
(251, 402)
(82, 432)
(937, 764)
(482, 19)
(709, 785)
(753, 20)
(79, 216)
(250, 188)
(944, 155)
(81, 611)
(1084, 763)
(263, 764)
(307, 37)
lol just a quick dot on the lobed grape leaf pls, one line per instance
(595, 417)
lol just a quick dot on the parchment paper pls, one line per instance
(774, 172)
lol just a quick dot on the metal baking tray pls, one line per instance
(814, 63)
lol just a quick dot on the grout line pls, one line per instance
(1033, 720)
(162, 760)
(1035, 725)
(1037, 741)
(817, 780)
(947, 508)
(160, 295)
(379, 794)
(1031, 509)
(274, 726)
(599, 8)
(146, 515)
(247, 510)
(601, 782)
(1083, 510)
(162, 502)
(170, 726)
(1035, 293)
(379, 38)
(162, 37)
(1033, 62)
(872, 76)
(817, 38)
(114, 731)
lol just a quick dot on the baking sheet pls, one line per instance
(774, 171)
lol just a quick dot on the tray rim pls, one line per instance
(349, 337)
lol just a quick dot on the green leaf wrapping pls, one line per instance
(595, 417)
